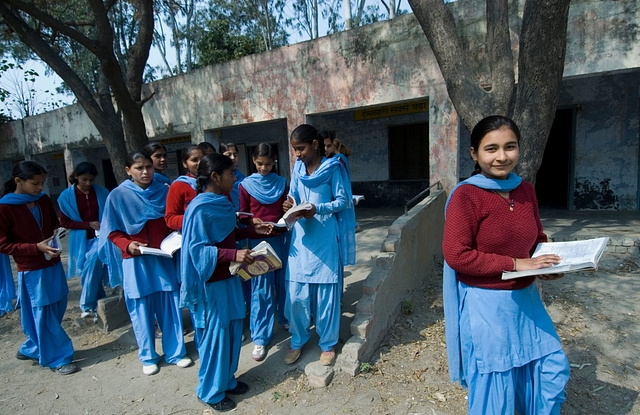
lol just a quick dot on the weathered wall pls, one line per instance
(408, 255)
(382, 63)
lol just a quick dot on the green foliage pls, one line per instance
(219, 44)
(365, 367)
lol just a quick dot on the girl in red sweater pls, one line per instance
(501, 342)
(263, 194)
(183, 189)
(27, 225)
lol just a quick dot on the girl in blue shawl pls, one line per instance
(263, 194)
(7, 285)
(215, 296)
(134, 217)
(322, 242)
(157, 153)
(81, 207)
(27, 225)
(231, 150)
(501, 342)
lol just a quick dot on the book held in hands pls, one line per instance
(291, 216)
(168, 246)
(574, 256)
(265, 260)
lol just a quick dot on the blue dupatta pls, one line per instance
(190, 180)
(346, 217)
(450, 295)
(208, 220)
(77, 237)
(235, 192)
(127, 209)
(159, 177)
(265, 189)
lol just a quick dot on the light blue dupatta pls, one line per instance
(265, 189)
(451, 298)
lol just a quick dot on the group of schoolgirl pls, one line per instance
(111, 228)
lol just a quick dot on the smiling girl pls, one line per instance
(501, 342)
(27, 224)
(134, 217)
(263, 194)
(81, 207)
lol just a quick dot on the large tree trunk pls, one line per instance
(532, 102)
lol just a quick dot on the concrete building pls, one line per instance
(380, 90)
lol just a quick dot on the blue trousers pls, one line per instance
(163, 306)
(219, 350)
(46, 339)
(91, 279)
(262, 308)
(323, 300)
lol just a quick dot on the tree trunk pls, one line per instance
(346, 5)
(532, 103)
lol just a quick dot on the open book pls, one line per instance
(574, 256)
(168, 246)
(291, 216)
(265, 260)
(357, 199)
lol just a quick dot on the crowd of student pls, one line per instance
(108, 230)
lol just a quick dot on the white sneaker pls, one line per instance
(150, 369)
(184, 362)
(259, 353)
(86, 314)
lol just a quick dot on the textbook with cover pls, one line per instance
(265, 260)
(574, 256)
(168, 246)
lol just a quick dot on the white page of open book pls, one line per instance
(570, 253)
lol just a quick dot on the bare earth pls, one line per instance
(596, 314)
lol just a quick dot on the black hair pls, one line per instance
(341, 147)
(306, 133)
(224, 147)
(326, 134)
(83, 168)
(152, 147)
(134, 156)
(23, 170)
(209, 164)
(186, 152)
(264, 150)
(487, 125)
(206, 146)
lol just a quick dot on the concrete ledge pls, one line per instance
(408, 253)
(112, 313)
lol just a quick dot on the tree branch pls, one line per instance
(500, 56)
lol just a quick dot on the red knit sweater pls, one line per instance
(268, 213)
(482, 236)
(89, 212)
(179, 196)
(20, 233)
(152, 234)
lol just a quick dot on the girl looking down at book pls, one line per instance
(134, 217)
(263, 194)
(28, 223)
(208, 288)
(183, 189)
(81, 208)
(501, 342)
(321, 243)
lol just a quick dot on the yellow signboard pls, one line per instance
(392, 110)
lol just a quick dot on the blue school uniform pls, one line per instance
(7, 285)
(218, 306)
(42, 297)
(159, 177)
(529, 372)
(267, 190)
(319, 248)
(235, 192)
(150, 283)
(83, 253)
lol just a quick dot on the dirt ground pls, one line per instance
(596, 315)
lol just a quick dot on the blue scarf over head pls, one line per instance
(127, 209)
(235, 192)
(190, 180)
(450, 295)
(345, 160)
(265, 189)
(78, 237)
(347, 217)
(208, 220)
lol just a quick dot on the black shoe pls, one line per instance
(67, 369)
(21, 356)
(224, 405)
(240, 389)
